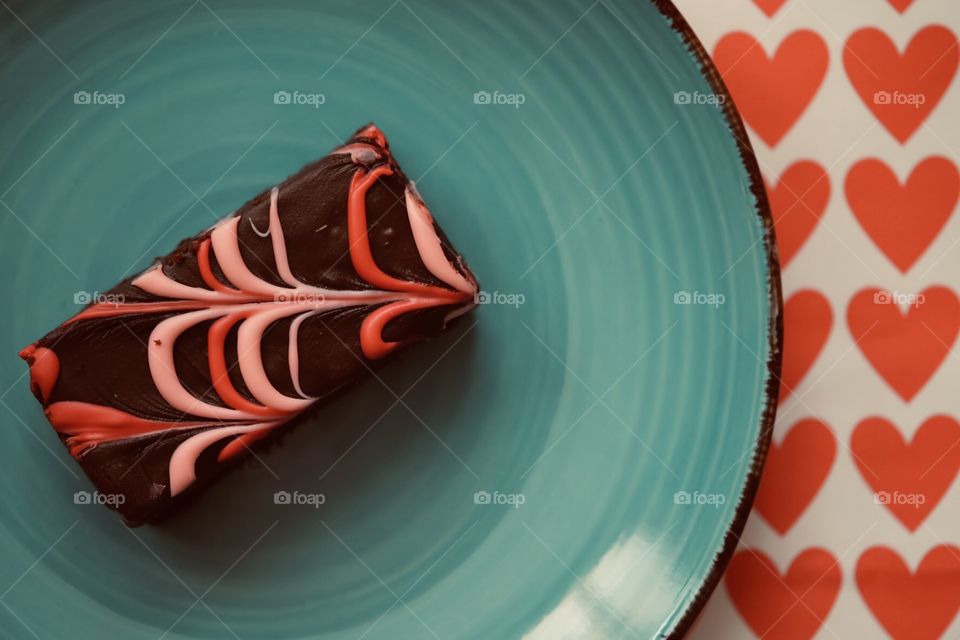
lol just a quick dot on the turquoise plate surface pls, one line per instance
(574, 460)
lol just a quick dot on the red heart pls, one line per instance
(806, 326)
(798, 202)
(791, 607)
(902, 220)
(911, 606)
(794, 472)
(910, 479)
(769, 7)
(901, 90)
(772, 94)
(901, 5)
(905, 349)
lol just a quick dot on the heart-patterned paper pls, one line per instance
(911, 605)
(769, 7)
(807, 320)
(794, 473)
(772, 92)
(778, 606)
(901, 89)
(851, 108)
(798, 201)
(903, 219)
(908, 478)
(905, 347)
(901, 5)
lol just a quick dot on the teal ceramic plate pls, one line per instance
(572, 461)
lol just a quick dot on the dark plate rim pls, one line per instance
(775, 329)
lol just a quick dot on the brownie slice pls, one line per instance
(165, 380)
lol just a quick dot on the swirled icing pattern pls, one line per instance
(246, 325)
